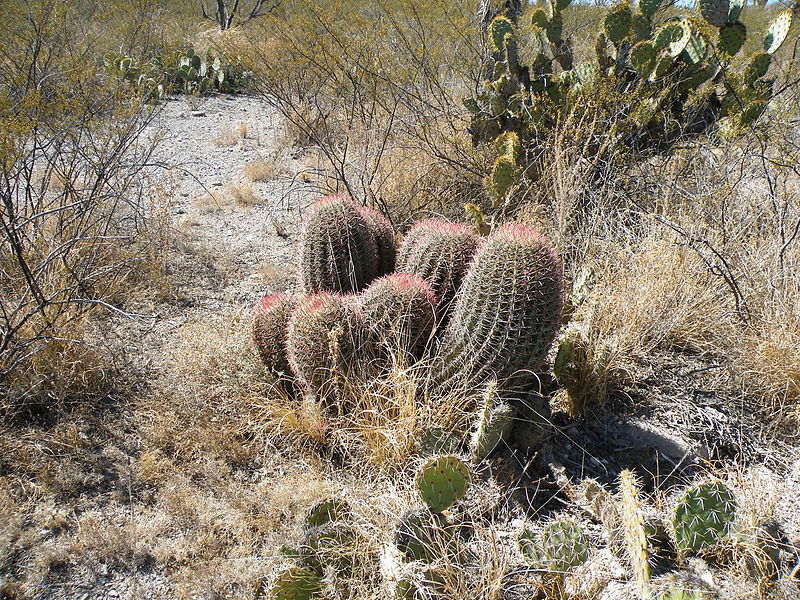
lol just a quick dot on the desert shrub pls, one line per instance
(74, 219)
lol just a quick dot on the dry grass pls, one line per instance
(238, 195)
(261, 170)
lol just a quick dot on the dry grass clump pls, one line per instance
(238, 195)
(260, 170)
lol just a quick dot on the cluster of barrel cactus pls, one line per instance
(477, 309)
(672, 77)
(184, 71)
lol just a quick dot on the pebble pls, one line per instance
(198, 113)
(216, 183)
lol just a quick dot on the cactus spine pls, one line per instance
(507, 311)
(632, 519)
(338, 248)
(270, 330)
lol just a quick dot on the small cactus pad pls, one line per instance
(539, 19)
(415, 535)
(641, 27)
(757, 68)
(338, 250)
(270, 330)
(777, 32)
(643, 58)
(673, 36)
(732, 37)
(565, 545)
(618, 21)
(752, 112)
(649, 7)
(322, 513)
(508, 144)
(400, 311)
(296, 583)
(634, 531)
(441, 481)
(715, 11)
(735, 10)
(384, 236)
(499, 28)
(555, 28)
(504, 175)
(703, 516)
(696, 48)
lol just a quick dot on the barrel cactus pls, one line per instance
(338, 248)
(326, 331)
(507, 311)
(439, 252)
(383, 233)
(270, 329)
(400, 312)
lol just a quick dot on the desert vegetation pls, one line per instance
(407, 299)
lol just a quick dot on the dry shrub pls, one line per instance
(261, 170)
(226, 139)
(239, 195)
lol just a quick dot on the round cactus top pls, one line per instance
(271, 301)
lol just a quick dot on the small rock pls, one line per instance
(216, 183)
(180, 211)
(198, 113)
(185, 194)
(112, 593)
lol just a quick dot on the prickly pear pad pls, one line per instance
(703, 516)
(442, 481)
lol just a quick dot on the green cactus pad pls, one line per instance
(732, 37)
(641, 28)
(322, 513)
(416, 535)
(673, 36)
(296, 583)
(531, 549)
(682, 594)
(696, 49)
(618, 21)
(757, 68)
(561, 4)
(493, 425)
(565, 545)
(504, 175)
(663, 66)
(433, 441)
(735, 10)
(643, 58)
(777, 32)
(649, 7)
(270, 330)
(555, 28)
(441, 481)
(703, 516)
(715, 11)
(752, 112)
(498, 29)
(508, 144)
(539, 19)
(512, 55)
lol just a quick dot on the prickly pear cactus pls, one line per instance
(400, 311)
(296, 583)
(777, 32)
(441, 481)
(560, 546)
(703, 516)
(416, 535)
(270, 330)
(326, 511)
(338, 249)
(506, 313)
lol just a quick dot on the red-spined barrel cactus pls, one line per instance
(270, 329)
(384, 236)
(506, 313)
(326, 332)
(338, 249)
(439, 252)
(400, 312)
